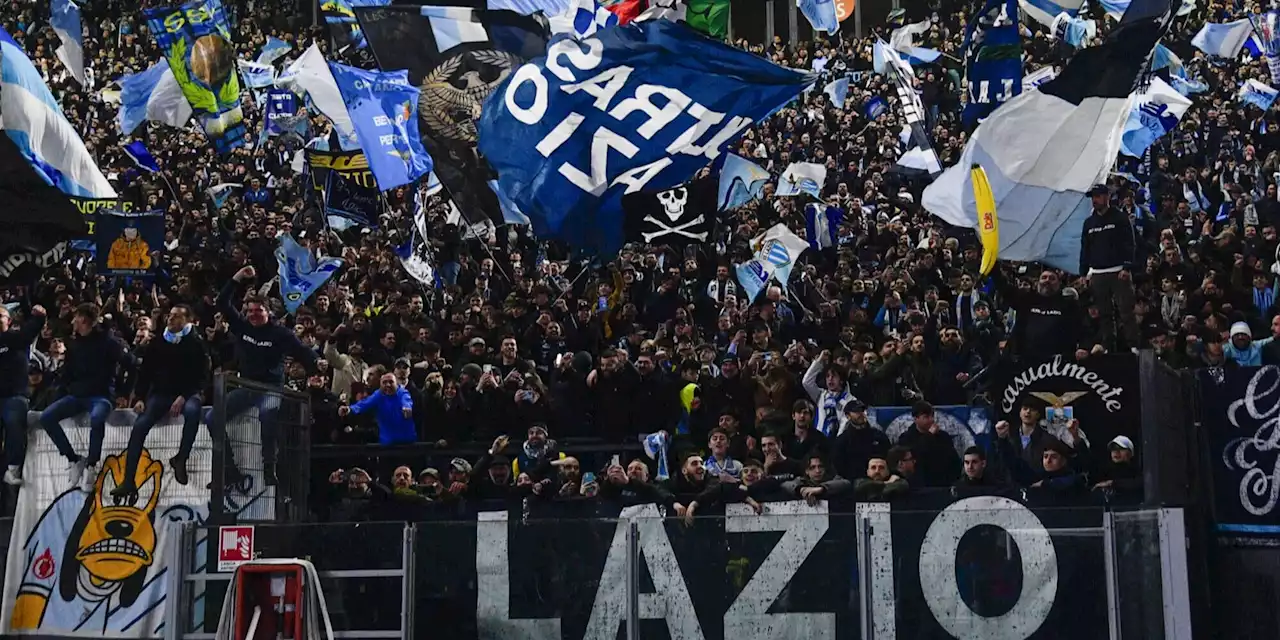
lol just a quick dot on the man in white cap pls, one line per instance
(1121, 476)
(1246, 351)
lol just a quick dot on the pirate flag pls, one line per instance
(678, 216)
(456, 56)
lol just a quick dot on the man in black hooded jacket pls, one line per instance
(15, 349)
(261, 347)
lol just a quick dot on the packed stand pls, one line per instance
(578, 360)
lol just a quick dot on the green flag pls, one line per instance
(709, 16)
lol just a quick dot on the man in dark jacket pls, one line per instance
(859, 443)
(15, 348)
(261, 347)
(1106, 251)
(976, 481)
(89, 382)
(937, 464)
(174, 371)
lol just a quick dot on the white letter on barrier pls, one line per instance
(534, 112)
(493, 587)
(671, 598)
(938, 569)
(748, 618)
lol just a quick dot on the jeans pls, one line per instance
(157, 407)
(238, 402)
(69, 407)
(13, 415)
(1114, 297)
(449, 272)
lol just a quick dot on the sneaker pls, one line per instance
(88, 478)
(13, 476)
(123, 492)
(179, 466)
(269, 474)
(75, 472)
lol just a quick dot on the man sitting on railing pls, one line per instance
(89, 379)
(261, 347)
(173, 373)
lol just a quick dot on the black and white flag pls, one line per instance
(919, 157)
(678, 216)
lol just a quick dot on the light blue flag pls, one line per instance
(1114, 8)
(1164, 58)
(1258, 94)
(655, 446)
(741, 181)
(138, 153)
(822, 224)
(1155, 112)
(529, 7)
(65, 20)
(921, 55)
(776, 252)
(1187, 86)
(821, 14)
(273, 50)
(837, 90)
(511, 213)
(1223, 40)
(384, 112)
(35, 123)
(152, 95)
(300, 273)
(256, 75)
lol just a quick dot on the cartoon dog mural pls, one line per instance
(89, 558)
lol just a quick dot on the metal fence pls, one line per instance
(268, 433)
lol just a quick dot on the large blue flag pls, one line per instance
(384, 112)
(196, 40)
(642, 106)
(35, 123)
(300, 273)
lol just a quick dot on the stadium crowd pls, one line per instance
(761, 397)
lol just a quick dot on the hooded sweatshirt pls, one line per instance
(1250, 356)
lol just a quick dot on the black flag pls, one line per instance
(38, 219)
(456, 56)
(678, 216)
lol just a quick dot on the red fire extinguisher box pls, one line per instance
(269, 601)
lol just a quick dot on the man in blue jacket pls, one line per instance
(261, 347)
(394, 411)
(15, 349)
(88, 383)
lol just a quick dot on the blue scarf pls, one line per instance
(175, 338)
(828, 422)
(1263, 298)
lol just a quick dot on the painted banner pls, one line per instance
(1100, 391)
(87, 565)
(1239, 408)
(196, 41)
(129, 244)
(967, 426)
(351, 165)
(789, 573)
(88, 207)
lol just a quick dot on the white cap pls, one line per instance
(1123, 442)
(1239, 328)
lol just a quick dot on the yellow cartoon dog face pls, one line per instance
(119, 536)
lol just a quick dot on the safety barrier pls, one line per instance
(982, 567)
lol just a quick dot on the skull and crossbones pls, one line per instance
(673, 203)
